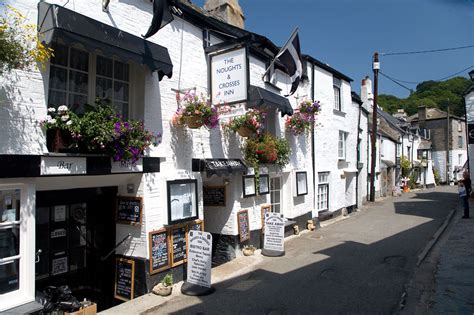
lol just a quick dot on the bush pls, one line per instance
(167, 280)
(437, 176)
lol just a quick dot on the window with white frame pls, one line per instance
(323, 191)
(337, 94)
(341, 147)
(77, 78)
(459, 126)
(460, 142)
(399, 149)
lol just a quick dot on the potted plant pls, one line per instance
(165, 287)
(298, 123)
(267, 149)
(59, 124)
(195, 112)
(248, 124)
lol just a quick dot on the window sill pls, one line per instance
(272, 85)
(339, 113)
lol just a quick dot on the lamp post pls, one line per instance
(373, 136)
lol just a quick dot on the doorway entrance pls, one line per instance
(75, 230)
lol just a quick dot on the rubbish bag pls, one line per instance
(59, 299)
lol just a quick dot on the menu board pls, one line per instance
(178, 240)
(243, 224)
(129, 210)
(214, 196)
(124, 278)
(265, 209)
(159, 251)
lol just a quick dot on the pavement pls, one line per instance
(443, 281)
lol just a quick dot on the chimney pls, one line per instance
(366, 90)
(228, 10)
(421, 115)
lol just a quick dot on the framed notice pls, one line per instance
(301, 183)
(159, 251)
(229, 76)
(263, 185)
(243, 225)
(182, 201)
(124, 279)
(264, 209)
(214, 196)
(129, 210)
(248, 185)
(178, 244)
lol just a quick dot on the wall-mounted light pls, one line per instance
(130, 188)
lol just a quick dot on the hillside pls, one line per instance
(438, 94)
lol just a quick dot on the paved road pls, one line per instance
(359, 265)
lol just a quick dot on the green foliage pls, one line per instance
(253, 119)
(167, 280)
(437, 176)
(432, 94)
(267, 149)
(405, 165)
(19, 43)
(413, 177)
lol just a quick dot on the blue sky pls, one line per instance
(346, 33)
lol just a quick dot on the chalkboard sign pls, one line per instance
(159, 251)
(265, 209)
(197, 225)
(214, 196)
(243, 224)
(129, 210)
(178, 239)
(124, 278)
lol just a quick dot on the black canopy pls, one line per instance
(56, 22)
(219, 166)
(260, 98)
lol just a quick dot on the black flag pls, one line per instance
(161, 17)
(290, 57)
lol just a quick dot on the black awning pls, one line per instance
(56, 22)
(261, 98)
(219, 166)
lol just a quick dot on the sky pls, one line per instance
(345, 34)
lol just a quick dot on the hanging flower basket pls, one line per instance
(245, 132)
(58, 140)
(193, 122)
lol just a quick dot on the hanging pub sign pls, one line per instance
(124, 278)
(229, 76)
(129, 210)
(159, 251)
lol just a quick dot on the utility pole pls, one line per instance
(373, 136)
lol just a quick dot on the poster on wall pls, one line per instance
(243, 225)
(248, 183)
(229, 76)
(182, 200)
(263, 185)
(301, 184)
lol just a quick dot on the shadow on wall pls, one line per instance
(181, 144)
(21, 132)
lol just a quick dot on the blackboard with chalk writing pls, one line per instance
(159, 251)
(124, 279)
(129, 210)
(214, 196)
(243, 225)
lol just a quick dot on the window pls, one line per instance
(381, 148)
(16, 248)
(459, 126)
(459, 159)
(460, 142)
(399, 149)
(206, 38)
(275, 194)
(341, 148)
(75, 80)
(337, 94)
(323, 191)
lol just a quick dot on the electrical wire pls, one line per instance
(425, 51)
(396, 82)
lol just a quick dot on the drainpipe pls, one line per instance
(313, 152)
(447, 148)
(357, 157)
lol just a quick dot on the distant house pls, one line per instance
(449, 150)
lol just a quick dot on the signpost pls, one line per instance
(198, 280)
(273, 242)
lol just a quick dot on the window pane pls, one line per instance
(121, 71)
(9, 242)
(60, 55)
(121, 108)
(9, 275)
(120, 91)
(79, 60)
(57, 78)
(76, 103)
(78, 82)
(57, 99)
(276, 208)
(103, 88)
(104, 66)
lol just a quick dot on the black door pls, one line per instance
(75, 230)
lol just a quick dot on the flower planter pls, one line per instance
(58, 140)
(162, 290)
(193, 122)
(245, 132)
(248, 251)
